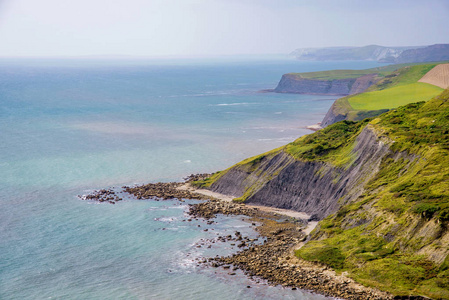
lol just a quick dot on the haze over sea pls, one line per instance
(68, 127)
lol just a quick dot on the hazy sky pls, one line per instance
(210, 27)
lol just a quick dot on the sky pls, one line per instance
(213, 27)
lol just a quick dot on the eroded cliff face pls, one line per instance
(291, 83)
(332, 116)
(320, 189)
(317, 188)
(379, 188)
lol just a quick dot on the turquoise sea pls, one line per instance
(68, 127)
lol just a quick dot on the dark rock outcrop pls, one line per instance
(292, 83)
(332, 116)
(314, 187)
(362, 83)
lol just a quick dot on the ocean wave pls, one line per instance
(116, 127)
(166, 219)
(283, 140)
(205, 94)
(236, 104)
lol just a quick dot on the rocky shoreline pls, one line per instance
(157, 191)
(273, 260)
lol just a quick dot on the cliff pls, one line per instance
(294, 83)
(380, 188)
(315, 187)
(371, 52)
(438, 52)
(396, 88)
(412, 54)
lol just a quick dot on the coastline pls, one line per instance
(284, 231)
(275, 259)
(310, 225)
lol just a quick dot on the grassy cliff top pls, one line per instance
(344, 74)
(394, 236)
(375, 238)
(399, 87)
(337, 74)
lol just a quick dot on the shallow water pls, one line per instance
(68, 127)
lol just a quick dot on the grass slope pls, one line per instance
(394, 97)
(344, 74)
(399, 87)
(391, 237)
(373, 239)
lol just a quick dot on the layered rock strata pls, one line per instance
(293, 83)
(314, 187)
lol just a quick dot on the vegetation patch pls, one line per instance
(207, 182)
(322, 253)
(394, 97)
(372, 238)
(399, 86)
(403, 76)
(332, 144)
(399, 274)
(384, 71)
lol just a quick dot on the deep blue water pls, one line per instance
(70, 126)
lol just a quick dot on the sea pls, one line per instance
(72, 126)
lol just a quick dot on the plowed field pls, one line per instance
(438, 76)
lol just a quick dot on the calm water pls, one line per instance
(68, 127)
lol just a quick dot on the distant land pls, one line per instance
(378, 187)
(437, 52)
(369, 92)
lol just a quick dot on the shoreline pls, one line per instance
(275, 260)
(284, 232)
(310, 225)
(315, 127)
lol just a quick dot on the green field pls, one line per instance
(398, 87)
(402, 190)
(344, 74)
(336, 74)
(394, 97)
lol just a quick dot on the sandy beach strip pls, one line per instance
(315, 127)
(281, 211)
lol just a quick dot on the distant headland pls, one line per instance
(398, 55)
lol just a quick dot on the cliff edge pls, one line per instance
(315, 187)
(294, 83)
(380, 188)
(411, 54)
(399, 87)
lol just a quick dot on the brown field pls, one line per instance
(438, 76)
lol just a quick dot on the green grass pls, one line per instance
(406, 191)
(205, 183)
(369, 237)
(335, 74)
(249, 165)
(398, 87)
(344, 74)
(331, 144)
(394, 97)
(402, 76)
